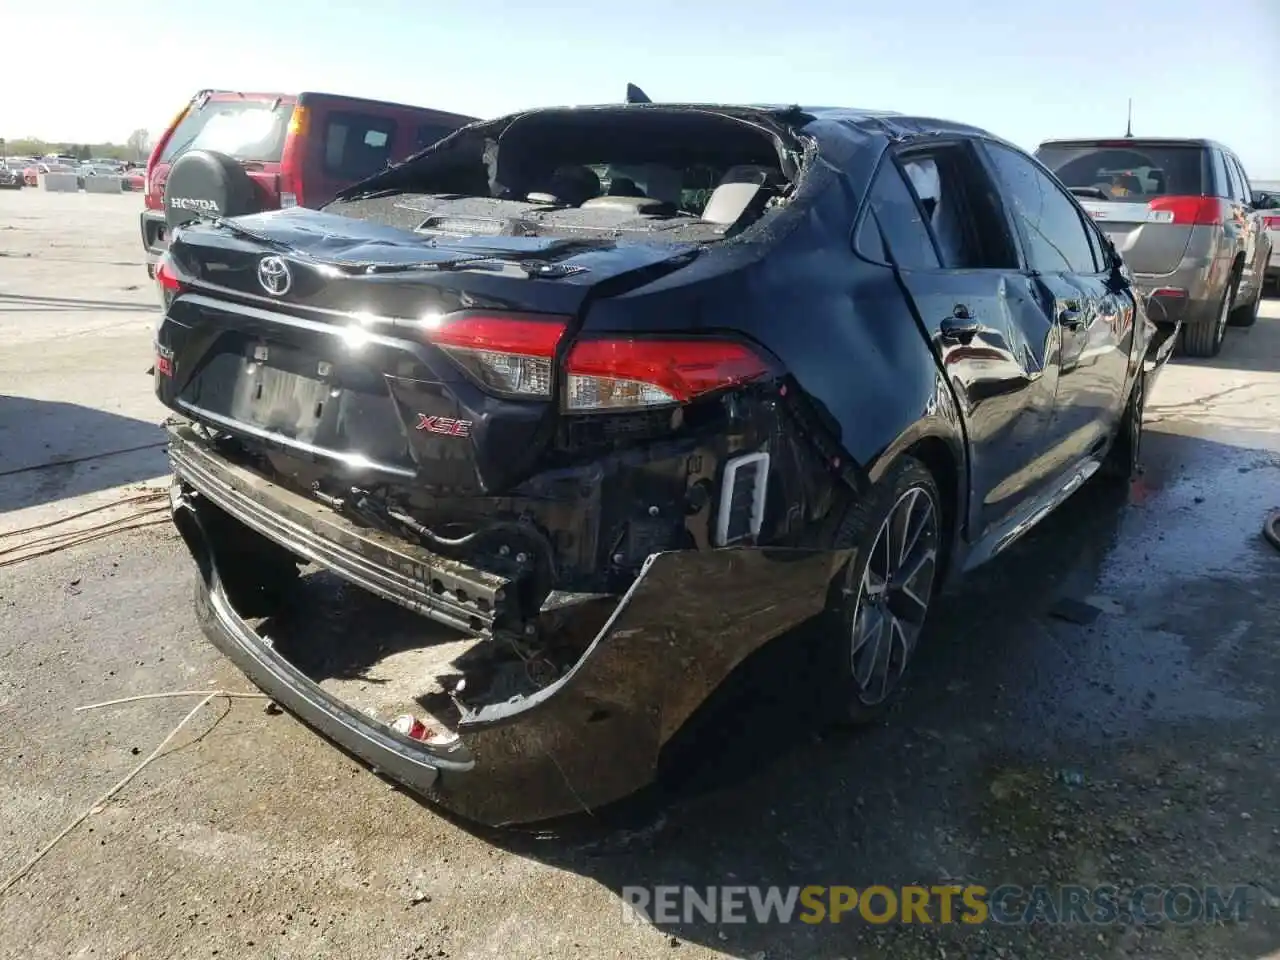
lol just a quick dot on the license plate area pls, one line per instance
(281, 390)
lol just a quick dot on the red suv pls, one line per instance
(234, 153)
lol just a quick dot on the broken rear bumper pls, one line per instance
(593, 736)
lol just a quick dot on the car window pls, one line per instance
(1234, 186)
(960, 207)
(1052, 227)
(1129, 172)
(893, 216)
(1095, 246)
(357, 145)
(1245, 190)
(1221, 182)
(243, 129)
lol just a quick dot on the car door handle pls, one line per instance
(1072, 319)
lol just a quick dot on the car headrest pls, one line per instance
(739, 189)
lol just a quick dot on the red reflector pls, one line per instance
(1171, 292)
(167, 277)
(524, 336)
(1205, 211)
(656, 370)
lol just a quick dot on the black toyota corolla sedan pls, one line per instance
(621, 393)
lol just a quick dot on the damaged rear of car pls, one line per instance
(581, 385)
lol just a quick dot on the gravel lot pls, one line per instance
(1137, 748)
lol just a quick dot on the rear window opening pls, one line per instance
(1130, 173)
(600, 169)
(248, 130)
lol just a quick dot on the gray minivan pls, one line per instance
(1181, 214)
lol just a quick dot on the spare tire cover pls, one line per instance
(204, 182)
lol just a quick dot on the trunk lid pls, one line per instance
(337, 363)
(1148, 239)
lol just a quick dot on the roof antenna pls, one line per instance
(1128, 129)
(636, 95)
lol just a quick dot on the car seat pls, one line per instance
(740, 189)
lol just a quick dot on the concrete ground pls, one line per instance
(1131, 740)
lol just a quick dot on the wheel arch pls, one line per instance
(941, 448)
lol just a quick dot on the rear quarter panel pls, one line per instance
(843, 328)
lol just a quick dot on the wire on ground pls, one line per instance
(208, 695)
(150, 509)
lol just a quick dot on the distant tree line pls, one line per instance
(135, 148)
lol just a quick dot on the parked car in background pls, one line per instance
(621, 437)
(87, 170)
(248, 152)
(133, 179)
(1180, 212)
(1266, 199)
(11, 174)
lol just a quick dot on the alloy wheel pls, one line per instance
(893, 595)
(1224, 314)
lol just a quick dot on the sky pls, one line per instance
(1024, 69)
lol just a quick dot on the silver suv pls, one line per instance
(1181, 214)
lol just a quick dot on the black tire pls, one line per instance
(204, 181)
(1123, 461)
(1204, 337)
(874, 528)
(1246, 315)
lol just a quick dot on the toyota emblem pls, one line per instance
(273, 274)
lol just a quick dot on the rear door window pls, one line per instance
(357, 145)
(960, 207)
(1053, 230)
(894, 218)
(1129, 172)
(250, 130)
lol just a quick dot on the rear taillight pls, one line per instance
(1190, 211)
(509, 355)
(168, 281)
(167, 276)
(514, 356)
(291, 158)
(1271, 223)
(621, 374)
